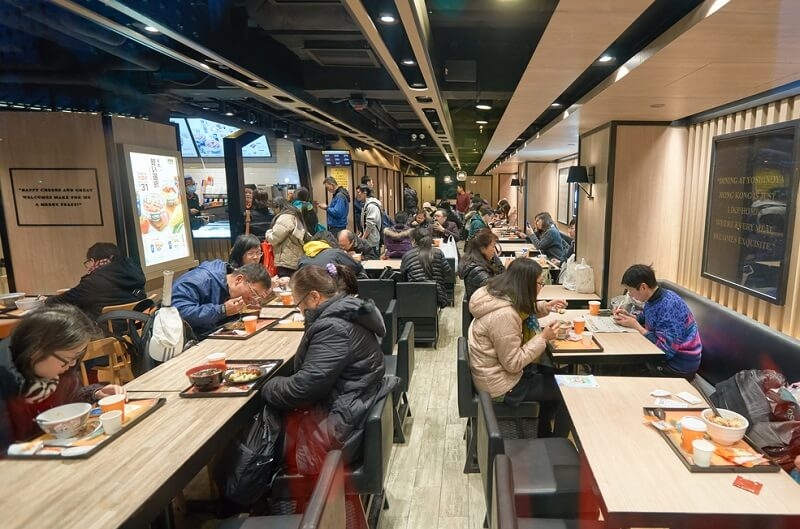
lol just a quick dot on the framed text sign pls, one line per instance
(564, 196)
(56, 197)
(751, 204)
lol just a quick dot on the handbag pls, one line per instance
(269, 258)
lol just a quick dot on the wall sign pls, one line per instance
(751, 202)
(565, 194)
(341, 175)
(56, 197)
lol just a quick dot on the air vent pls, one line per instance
(353, 57)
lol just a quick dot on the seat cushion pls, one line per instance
(286, 521)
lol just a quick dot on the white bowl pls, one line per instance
(8, 299)
(64, 421)
(29, 303)
(724, 435)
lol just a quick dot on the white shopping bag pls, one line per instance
(567, 275)
(584, 278)
(450, 250)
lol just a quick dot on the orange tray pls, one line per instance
(558, 346)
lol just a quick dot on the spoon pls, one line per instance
(707, 399)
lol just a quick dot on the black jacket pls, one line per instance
(412, 270)
(338, 374)
(332, 255)
(410, 200)
(368, 253)
(476, 273)
(116, 283)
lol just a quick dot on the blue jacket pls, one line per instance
(200, 293)
(338, 209)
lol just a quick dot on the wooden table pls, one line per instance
(644, 484)
(559, 292)
(374, 267)
(131, 481)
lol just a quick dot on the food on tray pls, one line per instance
(234, 326)
(733, 422)
(243, 375)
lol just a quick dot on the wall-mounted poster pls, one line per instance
(159, 200)
(751, 202)
(56, 197)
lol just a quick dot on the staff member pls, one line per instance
(193, 203)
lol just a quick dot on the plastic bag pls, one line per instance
(567, 275)
(584, 278)
(450, 250)
(269, 258)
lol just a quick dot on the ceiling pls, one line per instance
(315, 70)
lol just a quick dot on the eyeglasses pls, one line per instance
(254, 254)
(87, 262)
(540, 283)
(72, 361)
(256, 296)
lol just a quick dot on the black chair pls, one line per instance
(381, 292)
(416, 302)
(402, 366)
(450, 281)
(364, 478)
(504, 512)
(468, 407)
(466, 317)
(547, 472)
(325, 509)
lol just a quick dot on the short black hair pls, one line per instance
(365, 189)
(637, 274)
(573, 221)
(401, 217)
(366, 178)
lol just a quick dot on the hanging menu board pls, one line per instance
(752, 194)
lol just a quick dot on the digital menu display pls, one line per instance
(188, 150)
(337, 158)
(258, 148)
(208, 136)
(157, 185)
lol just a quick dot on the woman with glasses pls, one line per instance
(37, 369)
(111, 279)
(507, 344)
(246, 250)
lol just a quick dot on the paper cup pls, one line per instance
(286, 298)
(114, 402)
(250, 323)
(218, 360)
(586, 338)
(702, 452)
(111, 421)
(692, 429)
(594, 308)
(579, 325)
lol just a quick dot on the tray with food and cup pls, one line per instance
(239, 378)
(79, 430)
(242, 328)
(707, 442)
(294, 321)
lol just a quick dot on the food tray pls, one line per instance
(236, 390)
(135, 411)
(222, 334)
(564, 346)
(279, 312)
(284, 325)
(718, 463)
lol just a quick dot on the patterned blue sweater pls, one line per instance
(671, 326)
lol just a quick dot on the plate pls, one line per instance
(230, 376)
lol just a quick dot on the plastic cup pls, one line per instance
(111, 421)
(702, 452)
(286, 298)
(692, 429)
(113, 402)
(218, 359)
(579, 325)
(250, 323)
(594, 308)
(586, 338)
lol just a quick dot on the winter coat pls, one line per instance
(412, 270)
(397, 240)
(320, 253)
(287, 237)
(475, 273)
(372, 221)
(16, 415)
(338, 369)
(450, 230)
(199, 295)
(260, 219)
(475, 223)
(116, 283)
(548, 242)
(496, 352)
(368, 252)
(410, 200)
(338, 209)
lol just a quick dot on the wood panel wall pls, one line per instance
(541, 183)
(784, 318)
(591, 227)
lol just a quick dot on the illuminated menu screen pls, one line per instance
(258, 148)
(188, 150)
(208, 136)
(336, 158)
(159, 203)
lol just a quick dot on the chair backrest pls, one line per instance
(417, 300)
(504, 511)
(466, 317)
(390, 324)
(326, 508)
(451, 277)
(489, 444)
(118, 371)
(381, 291)
(377, 443)
(405, 356)
(466, 389)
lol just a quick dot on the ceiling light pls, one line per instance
(408, 62)
(204, 65)
(481, 122)
(418, 85)
(483, 106)
(556, 105)
(605, 58)
(387, 18)
(151, 29)
(228, 113)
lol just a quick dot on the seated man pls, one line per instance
(442, 227)
(666, 321)
(351, 243)
(213, 292)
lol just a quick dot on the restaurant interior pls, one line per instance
(668, 130)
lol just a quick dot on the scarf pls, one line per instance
(530, 326)
(97, 263)
(40, 389)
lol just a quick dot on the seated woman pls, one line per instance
(480, 262)
(246, 250)
(287, 236)
(426, 263)
(37, 369)
(546, 237)
(506, 213)
(212, 292)
(338, 369)
(111, 279)
(397, 238)
(507, 344)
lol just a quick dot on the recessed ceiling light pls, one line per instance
(387, 18)
(483, 106)
(151, 29)
(418, 85)
(481, 122)
(228, 113)
(204, 65)
(605, 58)
(556, 105)
(408, 62)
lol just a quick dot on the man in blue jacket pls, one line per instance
(214, 291)
(338, 207)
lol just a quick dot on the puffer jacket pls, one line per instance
(286, 237)
(199, 295)
(412, 270)
(397, 240)
(338, 372)
(320, 253)
(475, 273)
(496, 352)
(475, 223)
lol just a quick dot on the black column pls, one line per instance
(234, 178)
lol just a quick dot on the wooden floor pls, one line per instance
(426, 486)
